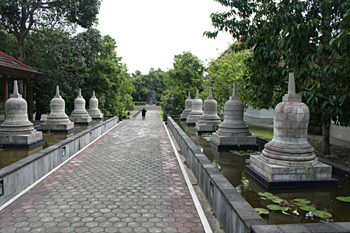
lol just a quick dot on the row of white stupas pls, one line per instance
(288, 160)
(232, 133)
(18, 131)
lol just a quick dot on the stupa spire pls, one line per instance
(57, 92)
(15, 91)
(291, 84)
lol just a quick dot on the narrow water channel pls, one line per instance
(232, 166)
(11, 155)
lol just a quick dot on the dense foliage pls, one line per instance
(73, 62)
(186, 76)
(309, 38)
(40, 19)
(223, 73)
(144, 82)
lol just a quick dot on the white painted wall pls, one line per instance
(340, 132)
(258, 116)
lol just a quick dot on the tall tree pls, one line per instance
(186, 76)
(143, 83)
(223, 72)
(20, 17)
(112, 78)
(24, 17)
(305, 36)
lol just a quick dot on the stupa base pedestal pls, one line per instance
(233, 142)
(278, 176)
(98, 118)
(57, 128)
(84, 120)
(184, 115)
(203, 128)
(21, 140)
(192, 120)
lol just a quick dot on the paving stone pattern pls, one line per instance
(127, 181)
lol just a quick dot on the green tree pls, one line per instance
(20, 17)
(112, 78)
(140, 83)
(186, 76)
(303, 37)
(225, 71)
(24, 18)
(68, 60)
(143, 83)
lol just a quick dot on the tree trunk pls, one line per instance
(30, 102)
(20, 49)
(325, 138)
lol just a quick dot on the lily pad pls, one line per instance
(261, 211)
(303, 201)
(285, 213)
(273, 197)
(307, 208)
(277, 200)
(299, 204)
(265, 194)
(322, 214)
(276, 207)
(345, 199)
(247, 161)
(207, 138)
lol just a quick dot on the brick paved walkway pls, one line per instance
(127, 181)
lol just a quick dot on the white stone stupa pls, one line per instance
(57, 121)
(80, 115)
(196, 112)
(17, 131)
(93, 111)
(188, 108)
(233, 133)
(288, 160)
(209, 121)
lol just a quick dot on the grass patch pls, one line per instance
(161, 114)
(261, 131)
(268, 134)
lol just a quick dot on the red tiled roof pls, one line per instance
(13, 63)
(16, 69)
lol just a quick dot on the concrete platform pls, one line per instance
(129, 180)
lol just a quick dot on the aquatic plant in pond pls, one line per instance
(206, 136)
(244, 153)
(291, 207)
(344, 199)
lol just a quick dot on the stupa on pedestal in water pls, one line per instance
(17, 131)
(151, 95)
(288, 160)
(80, 115)
(188, 108)
(196, 112)
(233, 133)
(93, 111)
(57, 121)
(209, 121)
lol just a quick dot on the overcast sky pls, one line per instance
(150, 32)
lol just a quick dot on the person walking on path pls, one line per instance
(143, 113)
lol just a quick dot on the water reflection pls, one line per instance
(233, 168)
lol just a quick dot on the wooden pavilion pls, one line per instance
(13, 69)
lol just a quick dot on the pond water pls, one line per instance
(232, 166)
(12, 155)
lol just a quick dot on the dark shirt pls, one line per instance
(143, 112)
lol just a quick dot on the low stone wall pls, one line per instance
(20, 175)
(231, 209)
